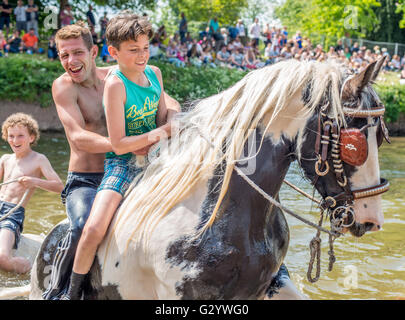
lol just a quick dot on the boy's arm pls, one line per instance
(168, 106)
(1, 167)
(51, 183)
(65, 98)
(114, 97)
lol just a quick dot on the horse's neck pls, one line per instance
(267, 170)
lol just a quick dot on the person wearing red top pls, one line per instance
(30, 41)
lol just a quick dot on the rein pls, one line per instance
(18, 204)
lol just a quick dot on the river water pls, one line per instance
(370, 267)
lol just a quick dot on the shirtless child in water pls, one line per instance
(26, 168)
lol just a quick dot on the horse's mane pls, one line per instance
(226, 120)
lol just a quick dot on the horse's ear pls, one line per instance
(378, 67)
(353, 86)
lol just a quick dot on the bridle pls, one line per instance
(338, 214)
(350, 146)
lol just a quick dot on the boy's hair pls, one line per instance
(21, 119)
(127, 26)
(75, 31)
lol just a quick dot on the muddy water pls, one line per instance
(371, 267)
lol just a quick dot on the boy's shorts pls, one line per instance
(14, 222)
(118, 174)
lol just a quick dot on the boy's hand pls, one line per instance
(142, 152)
(27, 182)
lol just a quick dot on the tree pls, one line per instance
(227, 11)
(329, 18)
(391, 18)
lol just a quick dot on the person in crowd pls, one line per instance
(240, 27)
(32, 16)
(52, 51)
(183, 28)
(395, 63)
(28, 168)
(172, 53)
(271, 53)
(249, 60)
(237, 58)
(193, 55)
(214, 30)
(14, 43)
(223, 57)
(103, 24)
(154, 50)
(254, 31)
(20, 16)
(3, 43)
(30, 42)
(5, 16)
(66, 16)
(207, 58)
(91, 20)
(402, 76)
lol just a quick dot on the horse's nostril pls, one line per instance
(369, 226)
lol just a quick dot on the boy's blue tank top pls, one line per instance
(140, 107)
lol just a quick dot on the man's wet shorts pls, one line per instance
(13, 222)
(118, 174)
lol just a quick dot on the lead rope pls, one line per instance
(315, 244)
(18, 204)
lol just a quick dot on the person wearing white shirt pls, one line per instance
(20, 16)
(255, 31)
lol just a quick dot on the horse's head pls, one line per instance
(339, 153)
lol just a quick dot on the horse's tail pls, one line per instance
(15, 292)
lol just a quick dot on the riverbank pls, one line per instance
(48, 119)
(25, 85)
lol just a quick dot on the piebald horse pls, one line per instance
(194, 228)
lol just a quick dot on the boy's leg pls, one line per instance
(78, 205)
(7, 261)
(104, 207)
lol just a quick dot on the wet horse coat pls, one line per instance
(239, 254)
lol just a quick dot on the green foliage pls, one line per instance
(329, 18)
(393, 96)
(227, 11)
(30, 79)
(27, 79)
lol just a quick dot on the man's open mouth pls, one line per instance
(75, 70)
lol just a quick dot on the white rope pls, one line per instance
(18, 204)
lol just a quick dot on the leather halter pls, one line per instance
(329, 132)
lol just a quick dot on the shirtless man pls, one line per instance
(78, 95)
(21, 172)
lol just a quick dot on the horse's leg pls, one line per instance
(282, 288)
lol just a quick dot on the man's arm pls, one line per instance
(65, 98)
(51, 183)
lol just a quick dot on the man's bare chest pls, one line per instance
(91, 107)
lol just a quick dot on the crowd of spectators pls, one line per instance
(239, 46)
(254, 46)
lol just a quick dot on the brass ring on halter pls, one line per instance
(344, 183)
(331, 200)
(349, 211)
(327, 122)
(319, 172)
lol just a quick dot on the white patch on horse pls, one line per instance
(152, 275)
(285, 124)
(368, 175)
